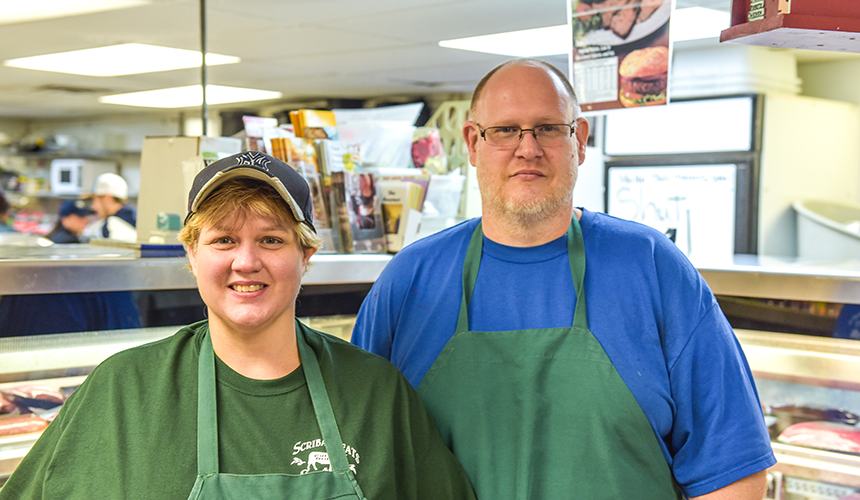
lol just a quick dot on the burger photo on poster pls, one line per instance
(643, 75)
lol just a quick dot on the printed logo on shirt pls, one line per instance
(310, 456)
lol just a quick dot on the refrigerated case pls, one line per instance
(722, 173)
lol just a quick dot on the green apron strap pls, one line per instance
(470, 276)
(576, 256)
(575, 253)
(323, 410)
(207, 412)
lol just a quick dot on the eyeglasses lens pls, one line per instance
(546, 135)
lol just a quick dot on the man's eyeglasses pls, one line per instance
(545, 135)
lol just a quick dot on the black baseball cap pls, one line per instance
(75, 207)
(292, 187)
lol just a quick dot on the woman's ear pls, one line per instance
(192, 259)
(308, 253)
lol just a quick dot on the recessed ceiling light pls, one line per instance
(20, 12)
(117, 60)
(536, 42)
(192, 95)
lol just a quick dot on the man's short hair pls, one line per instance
(526, 61)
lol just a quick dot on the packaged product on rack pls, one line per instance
(401, 211)
(427, 150)
(364, 209)
(314, 124)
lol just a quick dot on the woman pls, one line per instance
(249, 403)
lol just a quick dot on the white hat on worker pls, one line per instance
(112, 184)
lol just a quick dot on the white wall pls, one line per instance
(837, 80)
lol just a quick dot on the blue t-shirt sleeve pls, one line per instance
(373, 331)
(687, 370)
(410, 312)
(716, 417)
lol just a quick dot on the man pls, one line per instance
(117, 219)
(74, 216)
(644, 392)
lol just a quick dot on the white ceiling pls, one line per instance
(307, 49)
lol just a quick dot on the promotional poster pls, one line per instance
(621, 53)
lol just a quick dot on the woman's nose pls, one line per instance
(247, 258)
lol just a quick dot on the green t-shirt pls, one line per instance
(129, 431)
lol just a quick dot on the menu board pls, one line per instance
(693, 204)
(620, 55)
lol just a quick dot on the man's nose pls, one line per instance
(528, 145)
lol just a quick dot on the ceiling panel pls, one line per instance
(305, 49)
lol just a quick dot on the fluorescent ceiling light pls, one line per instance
(20, 12)
(524, 43)
(117, 60)
(192, 95)
(697, 22)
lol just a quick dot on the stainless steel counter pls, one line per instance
(78, 268)
(88, 268)
(785, 278)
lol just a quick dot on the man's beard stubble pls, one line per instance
(526, 213)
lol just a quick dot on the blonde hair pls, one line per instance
(245, 197)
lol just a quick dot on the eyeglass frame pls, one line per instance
(483, 131)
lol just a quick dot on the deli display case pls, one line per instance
(787, 315)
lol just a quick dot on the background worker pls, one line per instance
(116, 218)
(5, 214)
(565, 353)
(74, 216)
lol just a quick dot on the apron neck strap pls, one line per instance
(576, 256)
(322, 405)
(207, 411)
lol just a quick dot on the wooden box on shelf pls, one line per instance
(796, 24)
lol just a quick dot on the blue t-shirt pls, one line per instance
(649, 308)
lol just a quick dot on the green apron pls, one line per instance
(542, 413)
(210, 484)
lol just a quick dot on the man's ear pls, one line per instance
(471, 135)
(581, 133)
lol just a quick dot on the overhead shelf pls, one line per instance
(795, 24)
